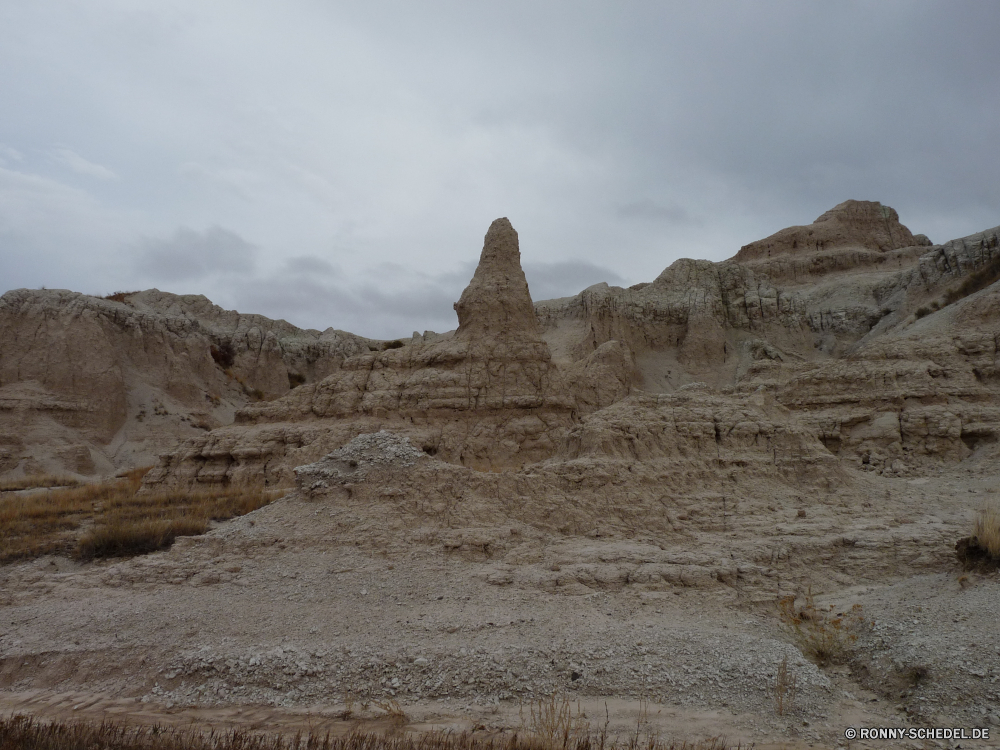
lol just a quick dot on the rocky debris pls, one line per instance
(357, 458)
(866, 224)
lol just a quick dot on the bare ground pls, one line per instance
(296, 614)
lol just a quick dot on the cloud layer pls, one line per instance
(337, 164)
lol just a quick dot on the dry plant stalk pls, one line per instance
(824, 637)
(393, 711)
(25, 731)
(785, 683)
(551, 722)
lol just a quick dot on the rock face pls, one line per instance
(865, 345)
(91, 385)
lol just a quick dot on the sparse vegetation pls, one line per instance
(974, 282)
(295, 379)
(253, 393)
(34, 481)
(551, 722)
(981, 551)
(986, 530)
(785, 683)
(119, 296)
(122, 522)
(397, 344)
(223, 354)
(24, 732)
(821, 635)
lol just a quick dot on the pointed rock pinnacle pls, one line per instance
(496, 304)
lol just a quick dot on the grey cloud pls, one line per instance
(190, 254)
(654, 211)
(307, 265)
(618, 135)
(392, 300)
(73, 161)
(566, 278)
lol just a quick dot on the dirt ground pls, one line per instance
(298, 616)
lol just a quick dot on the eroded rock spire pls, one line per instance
(496, 304)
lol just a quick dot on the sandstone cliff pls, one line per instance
(90, 385)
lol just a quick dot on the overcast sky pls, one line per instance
(338, 163)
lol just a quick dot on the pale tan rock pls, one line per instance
(120, 381)
(865, 224)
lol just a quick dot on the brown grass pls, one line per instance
(23, 732)
(33, 481)
(120, 296)
(551, 722)
(986, 530)
(110, 519)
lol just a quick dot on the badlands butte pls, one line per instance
(606, 496)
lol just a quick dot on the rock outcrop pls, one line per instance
(864, 224)
(488, 397)
(852, 338)
(91, 385)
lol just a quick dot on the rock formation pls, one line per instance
(91, 385)
(488, 397)
(879, 346)
(864, 224)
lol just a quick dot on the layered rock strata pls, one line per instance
(489, 397)
(90, 385)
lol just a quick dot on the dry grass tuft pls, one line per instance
(824, 637)
(122, 523)
(986, 530)
(981, 551)
(20, 732)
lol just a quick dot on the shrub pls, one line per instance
(397, 344)
(120, 296)
(295, 379)
(223, 354)
(822, 636)
(981, 551)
